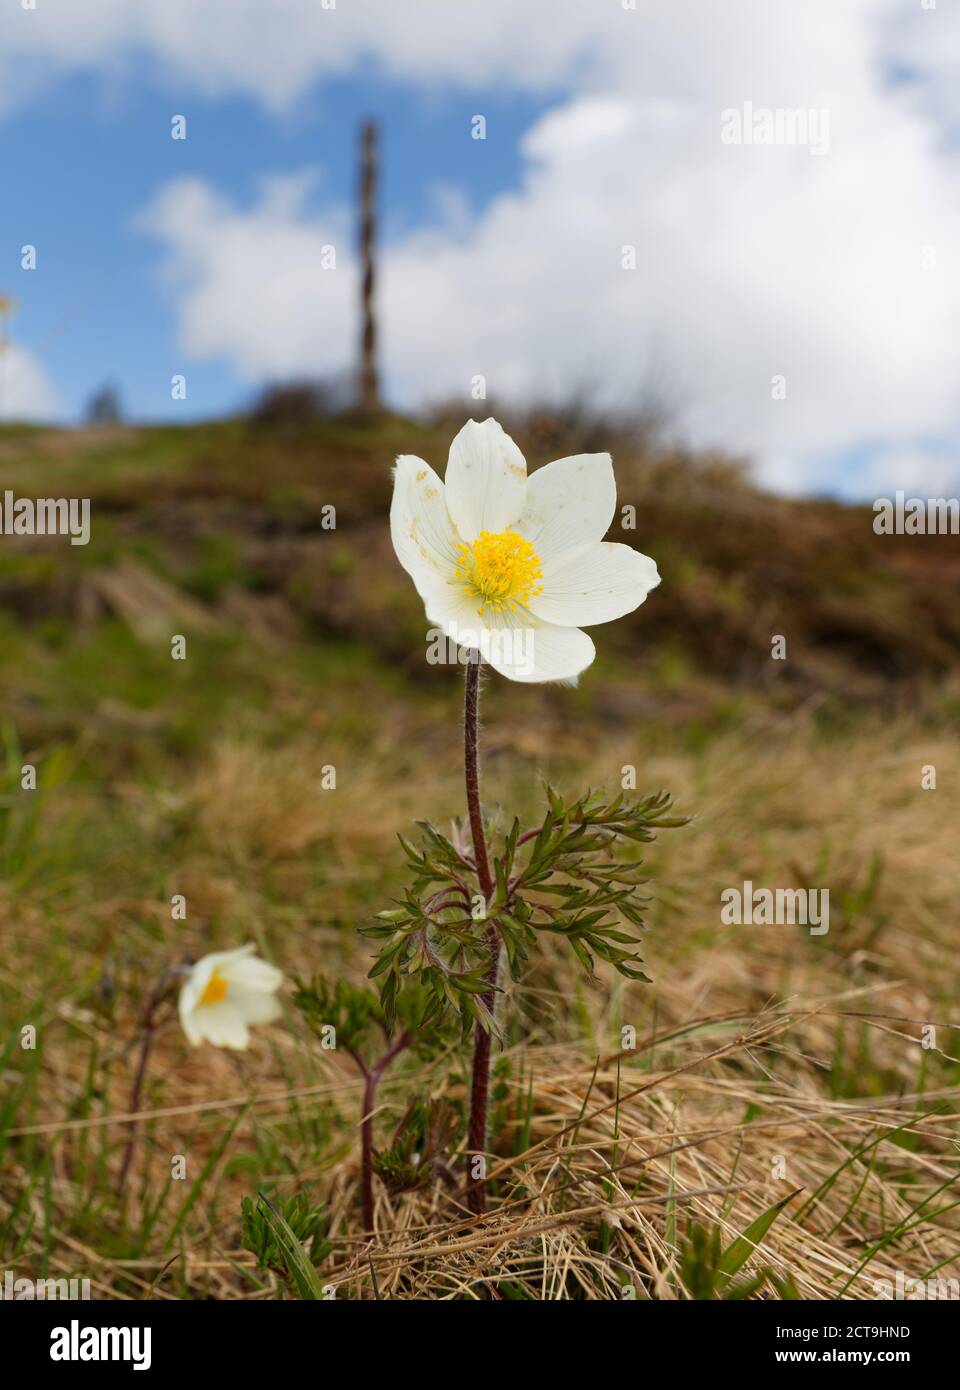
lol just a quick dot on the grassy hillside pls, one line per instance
(769, 1061)
(231, 506)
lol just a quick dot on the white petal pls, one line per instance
(252, 973)
(445, 602)
(222, 1025)
(594, 583)
(420, 526)
(189, 1025)
(253, 1005)
(568, 502)
(486, 480)
(519, 645)
(558, 653)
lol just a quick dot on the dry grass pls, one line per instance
(767, 1061)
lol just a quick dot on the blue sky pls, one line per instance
(79, 168)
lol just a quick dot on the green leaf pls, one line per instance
(740, 1250)
(582, 954)
(301, 1271)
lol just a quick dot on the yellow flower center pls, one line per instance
(216, 990)
(500, 569)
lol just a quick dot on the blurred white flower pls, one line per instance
(514, 567)
(224, 993)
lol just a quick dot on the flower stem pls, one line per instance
(366, 1147)
(371, 1080)
(480, 1081)
(149, 1026)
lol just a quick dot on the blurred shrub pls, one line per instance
(293, 404)
(104, 406)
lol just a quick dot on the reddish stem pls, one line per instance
(149, 1025)
(480, 1080)
(366, 1147)
(371, 1080)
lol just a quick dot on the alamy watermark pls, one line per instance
(781, 125)
(904, 1287)
(76, 1343)
(749, 906)
(46, 516)
(18, 1288)
(512, 647)
(916, 516)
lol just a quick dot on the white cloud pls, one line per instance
(274, 49)
(251, 285)
(25, 392)
(751, 261)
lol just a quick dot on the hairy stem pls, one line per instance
(480, 1080)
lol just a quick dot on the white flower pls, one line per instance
(224, 993)
(515, 567)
